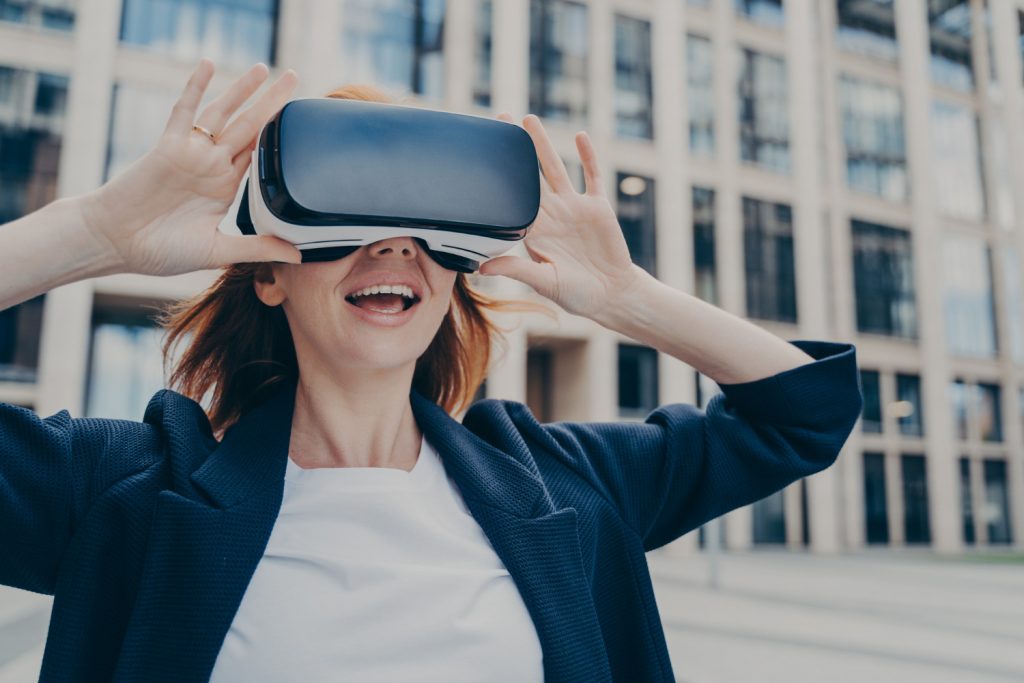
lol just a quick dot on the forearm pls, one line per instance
(722, 346)
(48, 248)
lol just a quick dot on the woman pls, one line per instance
(326, 518)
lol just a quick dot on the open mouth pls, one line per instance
(383, 303)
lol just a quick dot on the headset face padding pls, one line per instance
(331, 175)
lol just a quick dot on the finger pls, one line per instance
(591, 169)
(250, 122)
(184, 111)
(216, 115)
(534, 274)
(228, 249)
(506, 117)
(243, 158)
(550, 162)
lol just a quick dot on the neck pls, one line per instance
(354, 418)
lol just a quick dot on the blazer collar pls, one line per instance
(253, 456)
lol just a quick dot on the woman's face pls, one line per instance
(336, 320)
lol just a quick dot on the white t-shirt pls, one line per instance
(378, 574)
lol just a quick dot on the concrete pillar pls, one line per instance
(459, 57)
(927, 239)
(64, 342)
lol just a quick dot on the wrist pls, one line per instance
(90, 252)
(631, 302)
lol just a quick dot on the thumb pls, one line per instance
(228, 249)
(525, 270)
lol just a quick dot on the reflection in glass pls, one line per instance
(482, 52)
(636, 217)
(876, 506)
(956, 161)
(876, 158)
(638, 380)
(767, 12)
(989, 411)
(126, 368)
(997, 502)
(871, 417)
(704, 244)
(227, 31)
(700, 95)
(768, 260)
(634, 102)
(966, 501)
(763, 118)
(53, 14)
(558, 60)
(916, 528)
(867, 27)
(770, 519)
(969, 306)
(883, 273)
(909, 411)
(958, 399)
(395, 44)
(949, 29)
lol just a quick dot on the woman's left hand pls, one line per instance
(578, 254)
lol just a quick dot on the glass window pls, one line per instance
(706, 389)
(989, 411)
(958, 399)
(20, 327)
(867, 27)
(970, 308)
(876, 158)
(997, 502)
(768, 257)
(704, 244)
(483, 49)
(956, 161)
(31, 130)
(883, 274)
(126, 365)
(1014, 292)
(700, 95)
(558, 60)
(137, 119)
(638, 380)
(1020, 36)
(763, 116)
(55, 14)
(227, 31)
(395, 44)
(949, 28)
(916, 528)
(966, 501)
(762, 11)
(634, 103)
(909, 411)
(770, 519)
(636, 216)
(871, 418)
(876, 506)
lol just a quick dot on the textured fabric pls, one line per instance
(147, 533)
(376, 574)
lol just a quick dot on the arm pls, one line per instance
(160, 215)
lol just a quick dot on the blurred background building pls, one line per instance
(832, 169)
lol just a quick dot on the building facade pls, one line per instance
(832, 169)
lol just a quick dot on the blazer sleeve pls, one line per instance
(683, 466)
(51, 469)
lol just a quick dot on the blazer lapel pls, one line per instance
(205, 546)
(538, 543)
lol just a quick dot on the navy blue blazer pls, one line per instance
(147, 533)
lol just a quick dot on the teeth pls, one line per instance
(404, 290)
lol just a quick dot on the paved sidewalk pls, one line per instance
(777, 616)
(781, 616)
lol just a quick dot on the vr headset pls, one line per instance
(330, 175)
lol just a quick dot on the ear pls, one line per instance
(265, 282)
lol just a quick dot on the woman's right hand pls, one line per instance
(160, 215)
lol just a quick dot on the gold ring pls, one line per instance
(204, 131)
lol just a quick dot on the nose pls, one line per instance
(404, 246)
